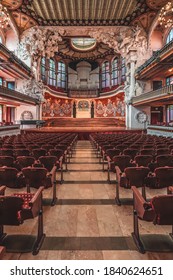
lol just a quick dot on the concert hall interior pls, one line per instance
(86, 129)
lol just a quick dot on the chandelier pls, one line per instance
(166, 15)
(4, 16)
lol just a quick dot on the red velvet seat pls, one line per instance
(6, 161)
(60, 156)
(11, 177)
(164, 177)
(15, 209)
(6, 152)
(130, 152)
(164, 160)
(52, 164)
(21, 152)
(159, 211)
(47, 147)
(38, 153)
(147, 152)
(25, 161)
(143, 160)
(122, 161)
(39, 176)
(132, 176)
(163, 151)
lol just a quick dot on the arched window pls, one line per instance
(169, 37)
(52, 73)
(105, 75)
(123, 70)
(61, 75)
(115, 72)
(43, 69)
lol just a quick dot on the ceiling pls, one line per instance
(28, 13)
(67, 51)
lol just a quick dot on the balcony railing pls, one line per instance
(83, 93)
(16, 95)
(162, 92)
(14, 58)
(156, 56)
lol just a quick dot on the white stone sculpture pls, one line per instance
(139, 87)
(40, 42)
(34, 89)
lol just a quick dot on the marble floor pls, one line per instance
(86, 223)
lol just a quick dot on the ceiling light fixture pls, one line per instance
(166, 15)
(4, 16)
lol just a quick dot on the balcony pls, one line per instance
(83, 93)
(156, 95)
(12, 58)
(16, 95)
(163, 55)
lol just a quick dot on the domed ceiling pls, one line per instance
(97, 51)
(28, 13)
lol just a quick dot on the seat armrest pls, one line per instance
(170, 190)
(2, 190)
(143, 208)
(36, 202)
(118, 173)
(20, 175)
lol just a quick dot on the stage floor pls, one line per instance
(82, 129)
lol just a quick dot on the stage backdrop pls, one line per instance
(113, 107)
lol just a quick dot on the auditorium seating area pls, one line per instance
(86, 168)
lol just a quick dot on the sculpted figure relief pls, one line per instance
(40, 42)
(34, 89)
(131, 38)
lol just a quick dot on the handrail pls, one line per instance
(13, 57)
(155, 56)
(153, 94)
(10, 93)
(83, 93)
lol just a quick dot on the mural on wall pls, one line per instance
(110, 107)
(83, 105)
(56, 107)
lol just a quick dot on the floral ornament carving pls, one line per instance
(40, 42)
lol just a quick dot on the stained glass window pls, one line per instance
(115, 72)
(52, 73)
(169, 37)
(61, 75)
(105, 75)
(43, 69)
(83, 44)
(123, 70)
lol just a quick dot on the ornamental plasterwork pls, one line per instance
(123, 40)
(141, 117)
(40, 42)
(34, 89)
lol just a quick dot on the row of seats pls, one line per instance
(30, 171)
(125, 155)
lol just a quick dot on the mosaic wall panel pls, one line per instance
(110, 107)
(54, 107)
